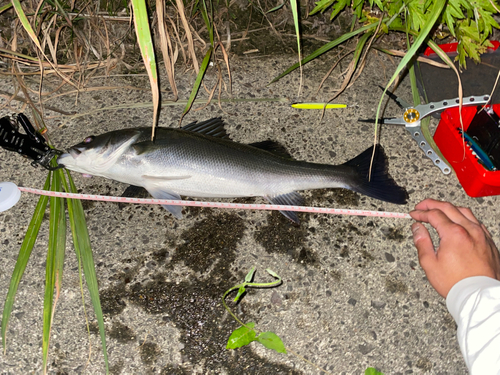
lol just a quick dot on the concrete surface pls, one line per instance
(353, 294)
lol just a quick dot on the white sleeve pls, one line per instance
(474, 303)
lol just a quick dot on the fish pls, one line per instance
(199, 160)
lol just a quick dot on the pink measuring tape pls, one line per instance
(240, 206)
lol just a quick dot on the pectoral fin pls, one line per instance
(165, 194)
(289, 199)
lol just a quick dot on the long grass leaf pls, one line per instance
(5, 7)
(145, 41)
(61, 244)
(197, 83)
(26, 24)
(56, 209)
(23, 257)
(81, 242)
(328, 47)
(61, 241)
(207, 17)
(295, 13)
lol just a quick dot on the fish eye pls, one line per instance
(88, 139)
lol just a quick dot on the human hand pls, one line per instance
(465, 249)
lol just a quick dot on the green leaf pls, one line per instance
(240, 293)
(241, 337)
(61, 240)
(81, 242)
(295, 14)
(26, 24)
(360, 46)
(199, 78)
(321, 6)
(208, 24)
(53, 253)
(23, 257)
(372, 371)
(357, 7)
(276, 8)
(5, 7)
(249, 276)
(145, 41)
(379, 4)
(272, 273)
(271, 341)
(394, 7)
(416, 15)
(340, 6)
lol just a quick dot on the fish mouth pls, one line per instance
(74, 152)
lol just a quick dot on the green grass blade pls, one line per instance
(276, 8)
(360, 46)
(295, 13)
(24, 21)
(197, 83)
(61, 240)
(328, 47)
(5, 7)
(206, 18)
(56, 211)
(81, 241)
(23, 257)
(145, 41)
(436, 10)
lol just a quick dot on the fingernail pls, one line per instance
(415, 228)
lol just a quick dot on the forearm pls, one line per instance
(474, 303)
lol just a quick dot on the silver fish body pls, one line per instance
(197, 162)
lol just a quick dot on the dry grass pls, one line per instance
(80, 41)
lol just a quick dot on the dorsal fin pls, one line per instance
(213, 127)
(273, 147)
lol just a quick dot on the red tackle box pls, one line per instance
(438, 84)
(476, 180)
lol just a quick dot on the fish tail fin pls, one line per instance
(379, 184)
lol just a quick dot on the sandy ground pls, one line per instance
(353, 295)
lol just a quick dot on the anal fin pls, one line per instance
(165, 194)
(288, 199)
(133, 191)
